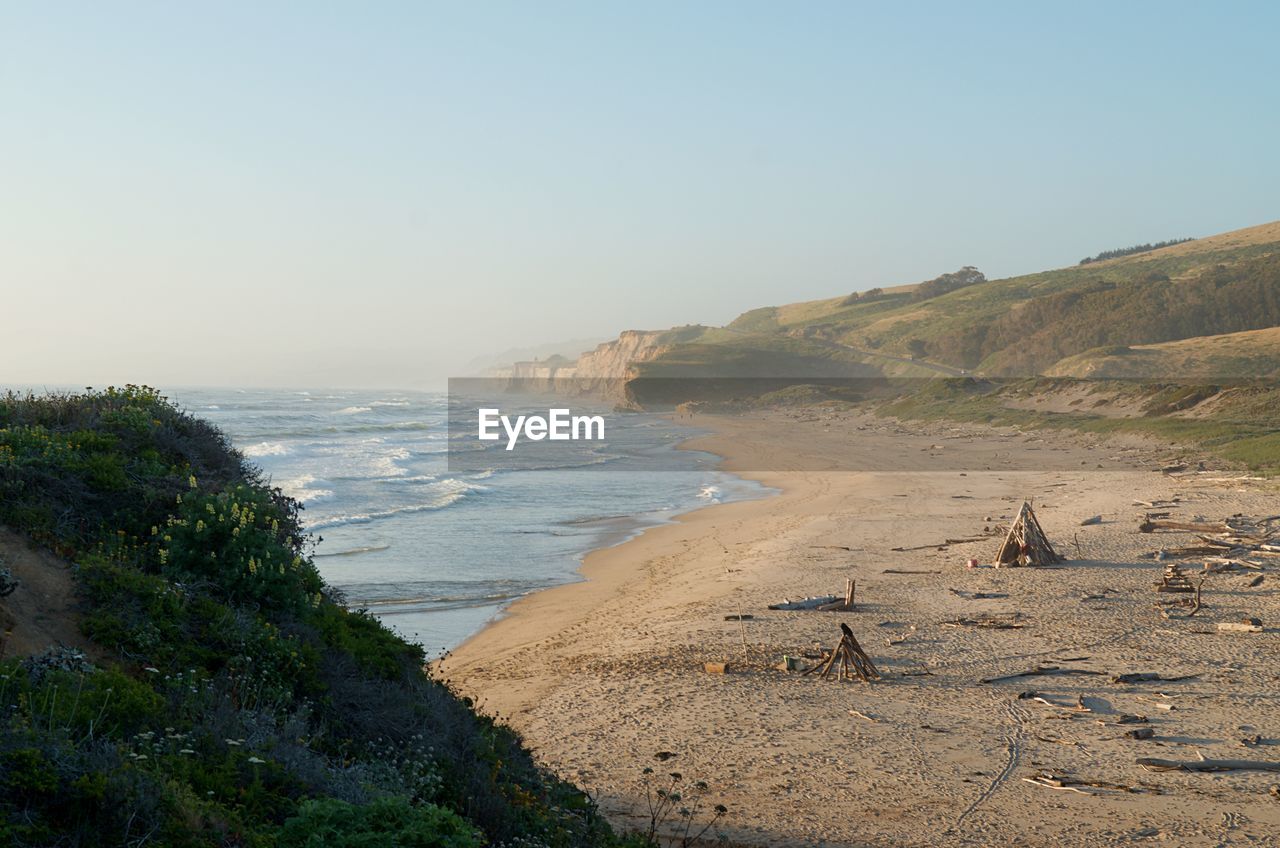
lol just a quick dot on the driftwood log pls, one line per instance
(1040, 671)
(1157, 764)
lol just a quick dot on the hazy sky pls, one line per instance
(347, 193)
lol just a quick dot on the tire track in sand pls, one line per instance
(1013, 740)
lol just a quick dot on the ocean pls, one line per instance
(434, 553)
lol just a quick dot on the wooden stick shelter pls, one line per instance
(854, 662)
(1026, 543)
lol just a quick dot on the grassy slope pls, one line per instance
(241, 703)
(1236, 424)
(889, 322)
(1253, 354)
(1162, 294)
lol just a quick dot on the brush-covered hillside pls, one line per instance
(209, 689)
(1024, 326)
(1231, 357)
(1197, 320)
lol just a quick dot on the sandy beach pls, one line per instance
(601, 675)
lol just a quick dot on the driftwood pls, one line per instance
(1151, 525)
(1026, 543)
(1250, 626)
(907, 571)
(1040, 671)
(1150, 677)
(822, 603)
(804, 603)
(854, 662)
(846, 605)
(1189, 551)
(1050, 780)
(1157, 764)
(940, 545)
(1174, 580)
(1010, 621)
(1219, 564)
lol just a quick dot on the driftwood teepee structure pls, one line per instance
(854, 662)
(1026, 543)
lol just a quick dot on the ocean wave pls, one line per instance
(435, 596)
(363, 549)
(590, 520)
(450, 490)
(353, 410)
(299, 488)
(265, 449)
(332, 429)
(710, 493)
(390, 403)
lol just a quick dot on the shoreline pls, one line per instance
(637, 529)
(600, 675)
(600, 575)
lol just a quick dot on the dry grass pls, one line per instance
(1232, 356)
(1249, 236)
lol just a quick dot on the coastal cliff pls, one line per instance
(601, 373)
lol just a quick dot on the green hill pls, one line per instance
(1192, 318)
(1250, 355)
(1022, 326)
(226, 695)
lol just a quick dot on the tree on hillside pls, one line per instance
(966, 276)
(1129, 251)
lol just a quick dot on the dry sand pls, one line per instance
(601, 675)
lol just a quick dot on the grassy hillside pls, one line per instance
(1193, 317)
(1237, 424)
(234, 700)
(1250, 355)
(1023, 326)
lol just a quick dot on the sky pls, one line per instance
(373, 194)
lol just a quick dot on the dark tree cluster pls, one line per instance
(966, 276)
(1129, 251)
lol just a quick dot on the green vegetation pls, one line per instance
(237, 701)
(1240, 429)
(1129, 251)
(1149, 308)
(946, 283)
(1022, 326)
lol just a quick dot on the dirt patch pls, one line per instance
(42, 611)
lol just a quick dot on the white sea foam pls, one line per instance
(448, 492)
(390, 403)
(354, 410)
(300, 489)
(266, 449)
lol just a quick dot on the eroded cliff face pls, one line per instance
(601, 373)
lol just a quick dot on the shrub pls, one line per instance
(244, 687)
(386, 823)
